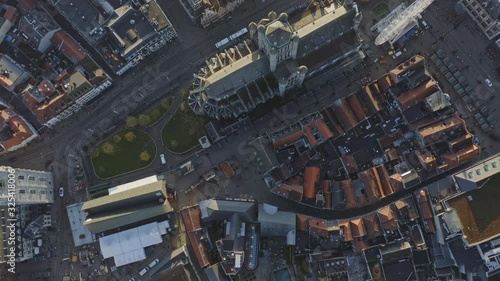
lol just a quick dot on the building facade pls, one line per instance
(276, 58)
(29, 189)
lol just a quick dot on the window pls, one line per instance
(22, 191)
(31, 178)
(42, 192)
(32, 191)
(494, 164)
(470, 175)
(486, 167)
(478, 171)
(42, 179)
(20, 177)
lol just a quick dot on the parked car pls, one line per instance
(488, 82)
(153, 263)
(162, 158)
(61, 191)
(144, 271)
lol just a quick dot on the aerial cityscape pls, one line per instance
(257, 140)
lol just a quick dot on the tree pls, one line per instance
(155, 114)
(145, 156)
(144, 120)
(165, 103)
(131, 122)
(116, 139)
(108, 148)
(130, 136)
(96, 152)
(82, 236)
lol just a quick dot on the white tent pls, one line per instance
(130, 257)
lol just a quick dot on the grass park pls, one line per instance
(183, 130)
(125, 151)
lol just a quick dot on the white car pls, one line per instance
(162, 159)
(61, 192)
(153, 263)
(488, 82)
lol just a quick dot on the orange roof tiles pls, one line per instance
(387, 219)
(326, 185)
(45, 87)
(20, 128)
(370, 184)
(346, 229)
(418, 94)
(356, 107)
(288, 140)
(323, 129)
(46, 111)
(349, 163)
(384, 83)
(318, 227)
(372, 225)
(191, 218)
(349, 193)
(199, 249)
(425, 209)
(10, 14)
(357, 227)
(397, 182)
(302, 223)
(328, 198)
(63, 75)
(338, 130)
(344, 115)
(427, 160)
(434, 132)
(384, 180)
(290, 191)
(466, 154)
(309, 135)
(311, 177)
(69, 46)
(361, 200)
(360, 245)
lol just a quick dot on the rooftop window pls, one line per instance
(494, 164)
(478, 171)
(470, 175)
(487, 168)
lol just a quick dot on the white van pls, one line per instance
(162, 158)
(143, 271)
(426, 26)
(153, 263)
(397, 55)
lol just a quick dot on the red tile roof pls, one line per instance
(291, 191)
(288, 140)
(311, 177)
(47, 111)
(427, 160)
(10, 14)
(384, 180)
(335, 125)
(357, 108)
(328, 199)
(191, 218)
(26, 5)
(69, 46)
(360, 245)
(349, 163)
(397, 182)
(349, 193)
(323, 129)
(418, 94)
(45, 87)
(309, 135)
(344, 114)
(20, 128)
(318, 227)
(302, 222)
(387, 219)
(357, 227)
(198, 248)
(63, 75)
(346, 229)
(384, 83)
(326, 185)
(372, 225)
(370, 184)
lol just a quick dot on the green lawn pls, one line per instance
(125, 156)
(183, 130)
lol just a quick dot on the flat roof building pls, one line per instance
(127, 208)
(486, 15)
(11, 73)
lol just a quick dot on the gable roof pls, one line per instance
(69, 46)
